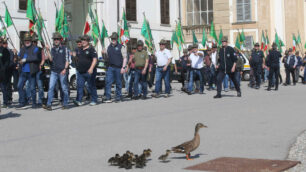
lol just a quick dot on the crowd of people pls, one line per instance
(214, 68)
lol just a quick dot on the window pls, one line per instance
(164, 12)
(131, 12)
(23, 4)
(22, 33)
(243, 10)
(199, 12)
(248, 44)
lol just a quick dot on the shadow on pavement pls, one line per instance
(192, 157)
(9, 115)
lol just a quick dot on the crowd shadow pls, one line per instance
(9, 115)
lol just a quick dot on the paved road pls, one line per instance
(261, 124)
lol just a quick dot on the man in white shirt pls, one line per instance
(196, 58)
(163, 59)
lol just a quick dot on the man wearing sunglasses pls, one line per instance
(59, 59)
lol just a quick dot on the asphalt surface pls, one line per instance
(260, 124)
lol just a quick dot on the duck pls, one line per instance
(114, 160)
(191, 145)
(165, 156)
(147, 152)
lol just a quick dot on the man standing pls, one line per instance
(290, 64)
(273, 60)
(184, 63)
(39, 74)
(163, 59)
(141, 60)
(298, 66)
(197, 63)
(131, 71)
(4, 66)
(117, 66)
(214, 60)
(86, 67)
(256, 61)
(226, 65)
(30, 60)
(59, 68)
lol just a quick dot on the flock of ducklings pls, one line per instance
(128, 160)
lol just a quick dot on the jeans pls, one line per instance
(40, 87)
(131, 81)
(220, 77)
(26, 76)
(288, 72)
(225, 82)
(273, 73)
(193, 74)
(81, 80)
(212, 79)
(257, 74)
(159, 75)
(238, 79)
(126, 81)
(5, 93)
(113, 74)
(54, 77)
(266, 75)
(142, 80)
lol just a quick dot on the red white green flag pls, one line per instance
(263, 41)
(124, 35)
(294, 42)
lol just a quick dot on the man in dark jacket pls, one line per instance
(273, 61)
(4, 66)
(256, 61)
(291, 65)
(117, 65)
(226, 65)
(59, 59)
(30, 59)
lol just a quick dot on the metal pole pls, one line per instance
(10, 39)
(13, 23)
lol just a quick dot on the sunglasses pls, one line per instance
(56, 39)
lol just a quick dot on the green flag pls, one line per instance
(305, 45)
(204, 38)
(8, 19)
(237, 44)
(179, 32)
(60, 19)
(242, 36)
(147, 34)
(220, 37)
(298, 40)
(194, 38)
(174, 38)
(95, 30)
(39, 27)
(65, 28)
(104, 34)
(213, 31)
(30, 11)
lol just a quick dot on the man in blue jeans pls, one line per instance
(30, 59)
(197, 63)
(59, 59)
(117, 66)
(163, 60)
(86, 70)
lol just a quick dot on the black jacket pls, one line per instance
(273, 58)
(226, 59)
(4, 63)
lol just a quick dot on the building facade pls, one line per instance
(253, 16)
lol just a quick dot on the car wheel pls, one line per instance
(246, 76)
(73, 84)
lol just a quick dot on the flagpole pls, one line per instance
(13, 23)
(10, 39)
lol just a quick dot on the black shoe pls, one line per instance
(294, 84)
(217, 96)
(189, 93)
(269, 89)
(136, 97)
(65, 107)
(285, 84)
(49, 108)
(21, 106)
(238, 94)
(144, 97)
(276, 88)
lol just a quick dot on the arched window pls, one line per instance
(199, 12)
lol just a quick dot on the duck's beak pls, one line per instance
(204, 126)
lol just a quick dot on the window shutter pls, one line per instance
(247, 10)
(239, 11)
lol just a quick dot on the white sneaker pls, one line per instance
(93, 104)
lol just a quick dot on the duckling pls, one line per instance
(147, 153)
(165, 156)
(140, 161)
(114, 160)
